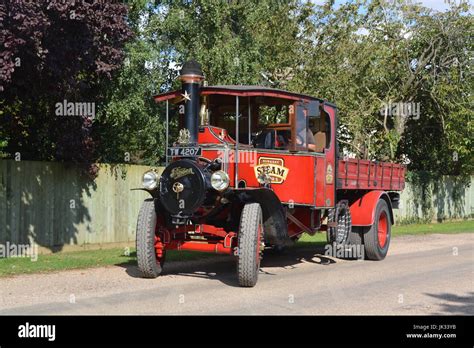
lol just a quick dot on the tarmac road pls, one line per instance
(431, 274)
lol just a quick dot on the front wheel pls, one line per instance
(150, 249)
(377, 239)
(249, 244)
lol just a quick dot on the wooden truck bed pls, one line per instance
(354, 174)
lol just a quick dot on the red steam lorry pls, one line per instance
(255, 168)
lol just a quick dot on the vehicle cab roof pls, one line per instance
(241, 91)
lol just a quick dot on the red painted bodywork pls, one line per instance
(249, 91)
(363, 209)
(313, 180)
(204, 239)
(356, 174)
(207, 247)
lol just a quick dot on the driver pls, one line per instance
(310, 141)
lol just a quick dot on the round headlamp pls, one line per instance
(219, 180)
(150, 180)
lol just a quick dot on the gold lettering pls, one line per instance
(274, 167)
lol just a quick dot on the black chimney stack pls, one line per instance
(191, 77)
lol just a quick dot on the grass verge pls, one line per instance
(465, 226)
(117, 256)
(82, 259)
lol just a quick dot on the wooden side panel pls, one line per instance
(356, 174)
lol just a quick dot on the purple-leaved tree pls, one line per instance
(56, 53)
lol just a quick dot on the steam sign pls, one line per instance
(274, 167)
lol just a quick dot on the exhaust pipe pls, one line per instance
(191, 77)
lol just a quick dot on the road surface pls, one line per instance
(431, 274)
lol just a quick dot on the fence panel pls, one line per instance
(52, 205)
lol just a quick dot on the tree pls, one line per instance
(130, 125)
(367, 54)
(363, 55)
(55, 51)
(440, 78)
(236, 43)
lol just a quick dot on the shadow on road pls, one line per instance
(455, 304)
(223, 267)
(300, 252)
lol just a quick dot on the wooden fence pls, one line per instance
(52, 205)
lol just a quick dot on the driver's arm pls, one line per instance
(310, 140)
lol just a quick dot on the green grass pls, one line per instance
(317, 238)
(444, 227)
(82, 259)
(465, 226)
(106, 257)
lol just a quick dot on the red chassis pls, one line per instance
(255, 168)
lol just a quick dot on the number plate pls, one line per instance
(184, 151)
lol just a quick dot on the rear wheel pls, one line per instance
(249, 244)
(355, 241)
(150, 247)
(346, 237)
(356, 236)
(377, 239)
(340, 216)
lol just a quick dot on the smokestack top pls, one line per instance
(191, 77)
(192, 68)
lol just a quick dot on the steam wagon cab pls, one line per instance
(255, 168)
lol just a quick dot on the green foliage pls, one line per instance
(361, 55)
(130, 124)
(366, 54)
(55, 51)
(235, 41)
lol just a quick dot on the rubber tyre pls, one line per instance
(249, 239)
(339, 234)
(148, 263)
(356, 238)
(373, 249)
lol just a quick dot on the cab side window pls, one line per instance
(309, 132)
(320, 127)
